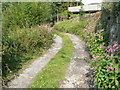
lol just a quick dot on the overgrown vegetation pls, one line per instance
(55, 70)
(21, 45)
(105, 61)
(25, 14)
(105, 64)
(74, 16)
(70, 27)
(24, 36)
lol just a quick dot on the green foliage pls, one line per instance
(22, 37)
(19, 46)
(55, 70)
(25, 14)
(105, 61)
(64, 13)
(73, 16)
(70, 27)
(105, 64)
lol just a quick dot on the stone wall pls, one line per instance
(115, 30)
(110, 20)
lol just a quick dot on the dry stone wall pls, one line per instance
(110, 19)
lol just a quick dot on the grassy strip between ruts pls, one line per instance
(55, 70)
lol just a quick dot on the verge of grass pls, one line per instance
(55, 70)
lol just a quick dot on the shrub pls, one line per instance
(25, 14)
(21, 38)
(20, 45)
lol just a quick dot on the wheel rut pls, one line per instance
(75, 76)
(27, 76)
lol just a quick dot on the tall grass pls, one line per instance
(20, 45)
(25, 14)
(23, 35)
(71, 27)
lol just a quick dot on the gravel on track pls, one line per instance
(78, 67)
(27, 76)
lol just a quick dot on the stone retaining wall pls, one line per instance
(110, 19)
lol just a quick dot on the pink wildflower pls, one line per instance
(115, 44)
(107, 55)
(116, 69)
(111, 64)
(108, 69)
(111, 67)
(101, 47)
(95, 57)
(108, 51)
(85, 29)
(111, 56)
(116, 48)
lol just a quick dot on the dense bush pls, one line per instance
(20, 45)
(25, 14)
(23, 36)
(105, 61)
(74, 16)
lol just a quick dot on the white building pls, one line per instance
(89, 7)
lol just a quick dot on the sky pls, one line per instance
(91, 1)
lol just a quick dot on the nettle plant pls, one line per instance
(105, 59)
